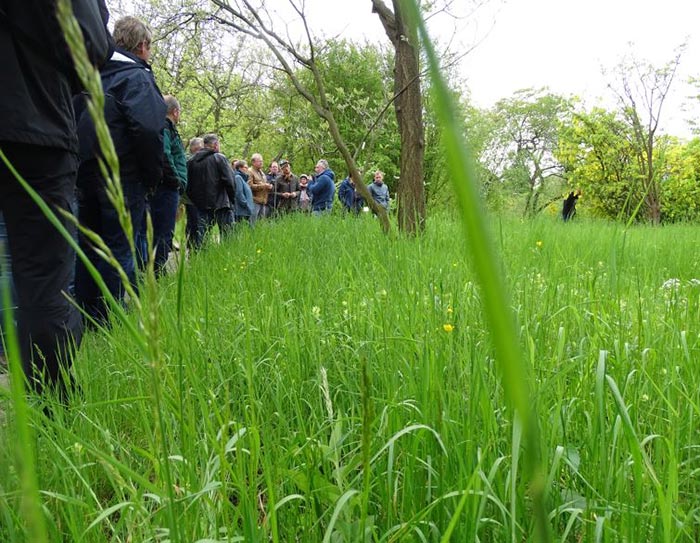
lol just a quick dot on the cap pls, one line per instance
(283, 163)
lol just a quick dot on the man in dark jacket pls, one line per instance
(164, 202)
(322, 188)
(211, 188)
(348, 196)
(135, 113)
(286, 189)
(37, 136)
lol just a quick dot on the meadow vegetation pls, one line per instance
(315, 380)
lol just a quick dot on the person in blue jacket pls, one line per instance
(322, 188)
(135, 113)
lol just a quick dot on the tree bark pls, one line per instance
(409, 115)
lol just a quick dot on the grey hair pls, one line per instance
(323, 162)
(256, 156)
(171, 102)
(210, 139)
(196, 142)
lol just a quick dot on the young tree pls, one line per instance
(641, 90)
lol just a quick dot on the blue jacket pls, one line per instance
(322, 190)
(347, 194)
(244, 206)
(135, 114)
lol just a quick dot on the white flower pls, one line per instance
(671, 283)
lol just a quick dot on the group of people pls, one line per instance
(49, 137)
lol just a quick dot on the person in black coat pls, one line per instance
(569, 208)
(38, 137)
(135, 114)
(211, 188)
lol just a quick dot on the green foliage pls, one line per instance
(358, 84)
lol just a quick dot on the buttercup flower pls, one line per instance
(539, 244)
(448, 327)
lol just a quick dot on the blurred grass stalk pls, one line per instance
(489, 271)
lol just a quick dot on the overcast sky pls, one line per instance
(560, 44)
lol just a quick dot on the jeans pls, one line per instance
(5, 278)
(98, 214)
(163, 208)
(49, 326)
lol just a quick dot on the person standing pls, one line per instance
(379, 191)
(244, 207)
(272, 200)
(322, 188)
(164, 202)
(211, 189)
(135, 114)
(259, 186)
(347, 194)
(304, 196)
(286, 189)
(38, 137)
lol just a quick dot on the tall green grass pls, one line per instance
(309, 390)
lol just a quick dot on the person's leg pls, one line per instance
(5, 279)
(104, 220)
(192, 225)
(224, 218)
(49, 326)
(163, 212)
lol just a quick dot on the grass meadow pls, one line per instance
(315, 380)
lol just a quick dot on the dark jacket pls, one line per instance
(347, 194)
(322, 190)
(175, 163)
(210, 183)
(135, 113)
(283, 185)
(36, 72)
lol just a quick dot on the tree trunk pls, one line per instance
(409, 114)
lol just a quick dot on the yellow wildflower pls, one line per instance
(448, 327)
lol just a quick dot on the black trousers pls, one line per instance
(49, 326)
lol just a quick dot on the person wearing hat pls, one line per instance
(286, 189)
(304, 196)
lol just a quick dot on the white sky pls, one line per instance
(560, 44)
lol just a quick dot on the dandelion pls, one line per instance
(448, 327)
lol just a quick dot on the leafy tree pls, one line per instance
(597, 151)
(521, 150)
(680, 182)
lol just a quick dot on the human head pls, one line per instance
(173, 108)
(240, 165)
(321, 166)
(132, 35)
(256, 161)
(285, 166)
(274, 168)
(303, 179)
(378, 177)
(195, 145)
(211, 141)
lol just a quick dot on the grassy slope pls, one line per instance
(310, 350)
